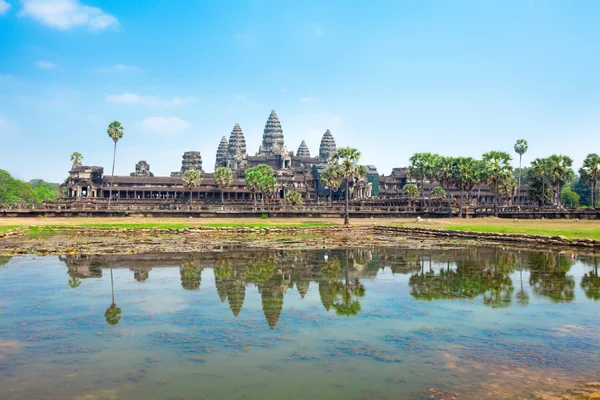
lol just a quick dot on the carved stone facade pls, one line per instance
(142, 168)
(236, 149)
(189, 160)
(272, 143)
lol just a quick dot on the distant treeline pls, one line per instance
(16, 191)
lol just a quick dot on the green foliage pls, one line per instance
(15, 191)
(261, 179)
(113, 315)
(223, 177)
(569, 198)
(332, 177)
(438, 193)
(410, 190)
(584, 192)
(293, 198)
(192, 178)
(76, 159)
(264, 216)
(521, 147)
(115, 131)
(590, 174)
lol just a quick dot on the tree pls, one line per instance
(423, 167)
(192, 178)
(113, 312)
(444, 174)
(293, 198)
(411, 191)
(346, 158)
(76, 159)
(261, 179)
(520, 148)
(539, 176)
(223, 179)
(115, 131)
(332, 180)
(560, 172)
(590, 173)
(497, 166)
(569, 198)
(465, 173)
(438, 193)
(508, 186)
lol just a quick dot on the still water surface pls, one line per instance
(343, 324)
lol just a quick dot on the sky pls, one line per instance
(390, 78)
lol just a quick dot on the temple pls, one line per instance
(299, 172)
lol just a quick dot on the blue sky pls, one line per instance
(388, 77)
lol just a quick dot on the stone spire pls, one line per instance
(191, 160)
(237, 142)
(303, 150)
(327, 147)
(272, 142)
(222, 154)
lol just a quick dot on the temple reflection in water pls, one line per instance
(497, 276)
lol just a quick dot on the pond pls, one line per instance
(464, 322)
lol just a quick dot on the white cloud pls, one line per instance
(7, 128)
(318, 32)
(66, 14)
(119, 68)
(45, 65)
(4, 7)
(308, 100)
(166, 125)
(132, 98)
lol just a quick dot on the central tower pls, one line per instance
(272, 142)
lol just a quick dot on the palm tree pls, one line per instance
(438, 193)
(115, 132)
(418, 169)
(346, 158)
(412, 192)
(590, 173)
(520, 148)
(223, 178)
(192, 178)
(332, 180)
(539, 176)
(76, 159)
(113, 313)
(444, 174)
(497, 165)
(293, 198)
(560, 172)
(465, 176)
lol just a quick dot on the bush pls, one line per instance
(569, 198)
(293, 198)
(264, 216)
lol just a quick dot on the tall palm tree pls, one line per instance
(192, 178)
(464, 172)
(520, 148)
(444, 174)
(223, 178)
(590, 173)
(411, 191)
(332, 180)
(560, 172)
(115, 132)
(113, 313)
(346, 158)
(76, 159)
(497, 165)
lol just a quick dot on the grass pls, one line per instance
(8, 227)
(568, 228)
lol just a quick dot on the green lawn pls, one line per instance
(7, 228)
(567, 228)
(232, 224)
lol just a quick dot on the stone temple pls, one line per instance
(299, 172)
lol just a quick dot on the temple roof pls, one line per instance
(303, 150)
(237, 142)
(328, 146)
(221, 160)
(272, 136)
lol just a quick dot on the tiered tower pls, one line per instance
(191, 160)
(236, 149)
(222, 154)
(303, 150)
(272, 142)
(142, 169)
(327, 147)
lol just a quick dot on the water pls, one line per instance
(344, 324)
